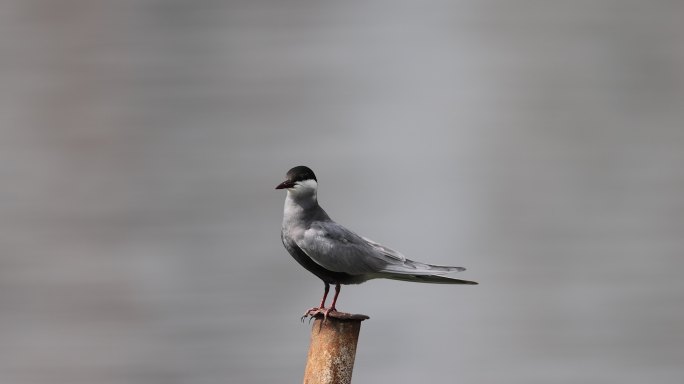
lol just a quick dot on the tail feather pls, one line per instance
(433, 279)
(408, 270)
(410, 267)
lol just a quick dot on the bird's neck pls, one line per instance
(302, 208)
(300, 202)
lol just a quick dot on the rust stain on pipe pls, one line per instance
(333, 348)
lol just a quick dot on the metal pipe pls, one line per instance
(333, 348)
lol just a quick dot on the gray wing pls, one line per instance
(400, 264)
(338, 249)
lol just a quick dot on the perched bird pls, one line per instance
(337, 255)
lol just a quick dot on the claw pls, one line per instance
(311, 313)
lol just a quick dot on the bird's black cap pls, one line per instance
(299, 173)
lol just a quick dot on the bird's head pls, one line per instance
(300, 181)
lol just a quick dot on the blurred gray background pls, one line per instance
(540, 144)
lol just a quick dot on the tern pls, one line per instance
(336, 254)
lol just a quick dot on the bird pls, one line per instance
(337, 255)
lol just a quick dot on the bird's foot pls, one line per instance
(313, 312)
(327, 311)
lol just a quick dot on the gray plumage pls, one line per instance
(337, 255)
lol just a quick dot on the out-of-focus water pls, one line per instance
(539, 144)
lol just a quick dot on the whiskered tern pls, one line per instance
(337, 255)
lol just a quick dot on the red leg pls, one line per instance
(337, 293)
(332, 306)
(314, 310)
(325, 295)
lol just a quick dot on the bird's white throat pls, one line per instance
(302, 196)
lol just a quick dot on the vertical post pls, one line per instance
(333, 348)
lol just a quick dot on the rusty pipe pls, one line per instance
(333, 348)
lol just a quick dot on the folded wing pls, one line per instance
(338, 249)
